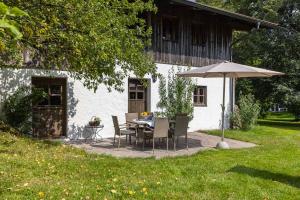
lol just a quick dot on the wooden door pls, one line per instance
(137, 96)
(49, 116)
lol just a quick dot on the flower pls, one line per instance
(144, 114)
(41, 194)
(144, 189)
(113, 191)
(158, 183)
(130, 192)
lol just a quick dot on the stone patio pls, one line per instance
(197, 142)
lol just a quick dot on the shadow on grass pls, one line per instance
(282, 120)
(264, 174)
(48, 143)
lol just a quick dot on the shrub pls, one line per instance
(17, 108)
(246, 113)
(236, 118)
(175, 96)
(7, 128)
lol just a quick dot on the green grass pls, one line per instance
(33, 169)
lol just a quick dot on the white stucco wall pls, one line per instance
(205, 118)
(83, 103)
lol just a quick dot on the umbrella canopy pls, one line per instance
(229, 69)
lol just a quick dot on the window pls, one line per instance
(170, 28)
(198, 34)
(200, 96)
(136, 90)
(54, 95)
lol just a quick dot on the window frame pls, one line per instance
(198, 95)
(48, 100)
(136, 90)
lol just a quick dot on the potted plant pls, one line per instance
(95, 121)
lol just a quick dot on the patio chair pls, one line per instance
(161, 130)
(130, 117)
(121, 130)
(181, 127)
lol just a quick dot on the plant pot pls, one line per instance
(94, 123)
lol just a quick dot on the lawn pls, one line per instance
(33, 169)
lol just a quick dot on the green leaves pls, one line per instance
(4, 9)
(17, 108)
(97, 41)
(13, 30)
(9, 25)
(175, 95)
(246, 113)
(17, 12)
(276, 49)
(13, 12)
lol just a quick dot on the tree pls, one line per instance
(8, 24)
(97, 41)
(175, 95)
(262, 9)
(294, 105)
(276, 49)
(10, 33)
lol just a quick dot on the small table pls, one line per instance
(95, 132)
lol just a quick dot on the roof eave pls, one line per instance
(241, 17)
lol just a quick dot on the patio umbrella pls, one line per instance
(227, 70)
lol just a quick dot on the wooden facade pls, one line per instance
(184, 36)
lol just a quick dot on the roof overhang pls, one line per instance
(252, 21)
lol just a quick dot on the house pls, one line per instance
(185, 34)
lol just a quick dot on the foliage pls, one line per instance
(257, 8)
(62, 171)
(17, 108)
(246, 113)
(10, 34)
(235, 118)
(8, 23)
(175, 95)
(7, 128)
(98, 41)
(276, 49)
(294, 105)
(162, 90)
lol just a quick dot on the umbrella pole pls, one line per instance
(223, 107)
(222, 144)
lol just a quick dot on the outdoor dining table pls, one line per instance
(149, 123)
(142, 124)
